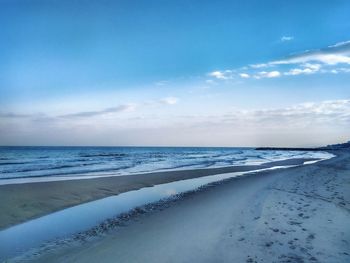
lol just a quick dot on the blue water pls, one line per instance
(26, 162)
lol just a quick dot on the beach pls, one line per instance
(175, 131)
(298, 214)
(21, 202)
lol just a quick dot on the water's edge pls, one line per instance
(36, 164)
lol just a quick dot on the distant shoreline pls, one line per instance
(289, 149)
(333, 147)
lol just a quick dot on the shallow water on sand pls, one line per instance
(18, 239)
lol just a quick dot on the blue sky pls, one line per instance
(227, 73)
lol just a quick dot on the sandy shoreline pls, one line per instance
(21, 202)
(299, 214)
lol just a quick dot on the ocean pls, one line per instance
(28, 162)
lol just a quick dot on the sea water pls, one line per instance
(46, 162)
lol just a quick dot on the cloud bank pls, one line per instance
(87, 114)
(333, 59)
(305, 124)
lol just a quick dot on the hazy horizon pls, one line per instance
(184, 73)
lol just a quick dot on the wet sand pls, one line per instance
(298, 214)
(22, 202)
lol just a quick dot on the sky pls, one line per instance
(174, 73)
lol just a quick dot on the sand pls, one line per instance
(21, 202)
(298, 214)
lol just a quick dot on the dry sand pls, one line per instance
(299, 214)
(21, 202)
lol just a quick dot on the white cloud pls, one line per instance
(304, 114)
(169, 100)
(218, 75)
(262, 65)
(308, 69)
(332, 55)
(327, 60)
(298, 71)
(244, 75)
(340, 44)
(286, 38)
(314, 67)
(270, 74)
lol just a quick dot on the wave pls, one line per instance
(104, 155)
(71, 172)
(49, 168)
(11, 163)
